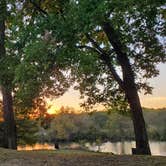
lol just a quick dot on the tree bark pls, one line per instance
(9, 122)
(130, 90)
(10, 137)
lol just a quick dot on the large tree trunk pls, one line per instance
(130, 90)
(9, 122)
(10, 137)
(142, 145)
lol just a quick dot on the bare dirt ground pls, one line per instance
(75, 158)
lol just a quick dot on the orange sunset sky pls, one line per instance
(156, 100)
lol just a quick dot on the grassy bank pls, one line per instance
(75, 158)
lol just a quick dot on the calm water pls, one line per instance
(157, 148)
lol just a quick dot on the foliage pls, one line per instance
(102, 126)
(83, 43)
(26, 131)
(29, 68)
(98, 126)
(51, 45)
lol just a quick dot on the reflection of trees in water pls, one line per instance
(163, 147)
(117, 147)
(158, 148)
(122, 147)
(114, 147)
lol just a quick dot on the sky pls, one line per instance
(156, 100)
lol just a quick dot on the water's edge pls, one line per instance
(157, 147)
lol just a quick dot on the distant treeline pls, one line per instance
(98, 126)
(103, 126)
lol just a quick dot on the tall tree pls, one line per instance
(113, 47)
(9, 122)
(28, 70)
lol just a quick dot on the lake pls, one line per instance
(157, 148)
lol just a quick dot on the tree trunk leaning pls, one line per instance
(130, 90)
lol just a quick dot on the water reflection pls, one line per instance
(37, 146)
(157, 148)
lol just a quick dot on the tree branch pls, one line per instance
(38, 8)
(88, 48)
(95, 44)
(104, 56)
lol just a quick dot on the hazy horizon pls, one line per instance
(156, 100)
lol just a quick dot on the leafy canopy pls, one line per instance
(139, 25)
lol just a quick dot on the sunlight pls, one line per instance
(52, 109)
(153, 102)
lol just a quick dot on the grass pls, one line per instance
(75, 158)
